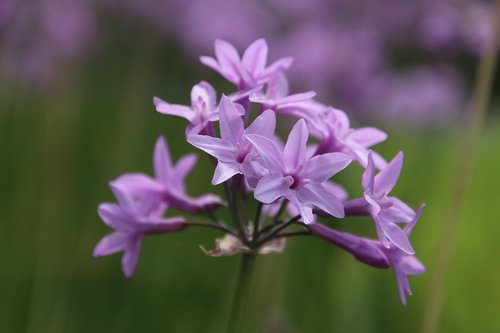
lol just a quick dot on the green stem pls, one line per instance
(275, 231)
(235, 215)
(256, 225)
(241, 294)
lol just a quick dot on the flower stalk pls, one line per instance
(242, 290)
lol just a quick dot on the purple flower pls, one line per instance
(375, 254)
(292, 176)
(168, 183)
(132, 219)
(233, 150)
(247, 71)
(276, 96)
(404, 264)
(387, 211)
(333, 129)
(202, 111)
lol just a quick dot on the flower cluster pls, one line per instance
(292, 182)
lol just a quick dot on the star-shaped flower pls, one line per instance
(373, 253)
(387, 211)
(332, 127)
(202, 111)
(294, 177)
(233, 150)
(248, 71)
(132, 219)
(168, 182)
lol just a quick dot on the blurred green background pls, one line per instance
(60, 145)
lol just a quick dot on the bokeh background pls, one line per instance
(77, 79)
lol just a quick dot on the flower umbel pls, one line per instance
(294, 185)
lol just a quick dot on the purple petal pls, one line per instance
(255, 56)
(318, 196)
(367, 136)
(337, 190)
(112, 243)
(387, 178)
(162, 225)
(224, 171)
(295, 98)
(231, 123)
(412, 266)
(125, 199)
(294, 154)
(218, 148)
(306, 212)
(131, 255)
(181, 169)
(161, 160)
(362, 249)
(277, 87)
(185, 203)
(139, 184)
(228, 59)
(263, 125)
(394, 233)
(374, 205)
(204, 92)
(268, 150)
(173, 109)
(210, 62)
(272, 187)
(409, 227)
(280, 65)
(369, 174)
(114, 217)
(322, 167)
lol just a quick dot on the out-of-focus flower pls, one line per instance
(249, 70)
(202, 111)
(168, 183)
(332, 127)
(39, 38)
(132, 219)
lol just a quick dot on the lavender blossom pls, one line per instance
(168, 183)
(387, 211)
(253, 164)
(132, 219)
(375, 254)
(292, 176)
(247, 71)
(202, 111)
(233, 150)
